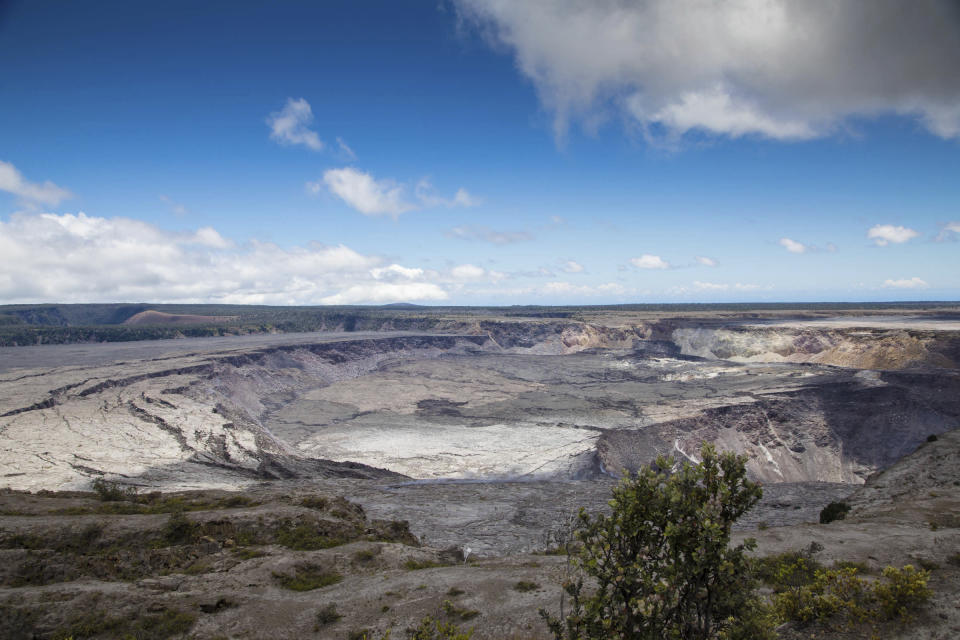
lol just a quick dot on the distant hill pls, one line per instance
(159, 317)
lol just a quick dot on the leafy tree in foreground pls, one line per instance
(661, 562)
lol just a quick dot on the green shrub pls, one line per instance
(178, 529)
(112, 492)
(434, 629)
(662, 560)
(834, 511)
(524, 586)
(840, 597)
(902, 591)
(305, 537)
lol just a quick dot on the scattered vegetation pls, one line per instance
(453, 611)
(166, 624)
(417, 565)
(523, 586)
(834, 511)
(112, 492)
(434, 629)
(326, 615)
(306, 537)
(307, 577)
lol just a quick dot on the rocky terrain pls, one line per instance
(396, 452)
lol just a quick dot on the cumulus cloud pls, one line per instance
(905, 283)
(571, 266)
(648, 261)
(291, 125)
(707, 262)
(395, 271)
(486, 234)
(773, 68)
(81, 258)
(884, 234)
(374, 197)
(31, 193)
(793, 246)
(367, 195)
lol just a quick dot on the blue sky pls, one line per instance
(478, 152)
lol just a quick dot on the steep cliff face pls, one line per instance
(856, 348)
(840, 431)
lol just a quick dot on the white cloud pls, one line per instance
(428, 197)
(31, 193)
(949, 231)
(486, 234)
(707, 262)
(394, 271)
(291, 125)
(210, 237)
(793, 246)
(385, 292)
(468, 272)
(365, 194)
(345, 149)
(905, 283)
(648, 261)
(717, 286)
(779, 69)
(374, 197)
(571, 266)
(81, 258)
(884, 234)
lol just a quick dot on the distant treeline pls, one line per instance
(72, 323)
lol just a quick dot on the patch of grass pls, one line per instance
(453, 611)
(308, 577)
(326, 615)
(358, 634)
(524, 586)
(365, 555)
(246, 553)
(160, 626)
(153, 503)
(197, 568)
(954, 559)
(417, 565)
(305, 537)
(315, 502)
(454, 592)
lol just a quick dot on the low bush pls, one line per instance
(834, 511)
(308, 577)
(112, 492)
(523, 586)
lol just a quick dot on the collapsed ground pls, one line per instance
(532, 417)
